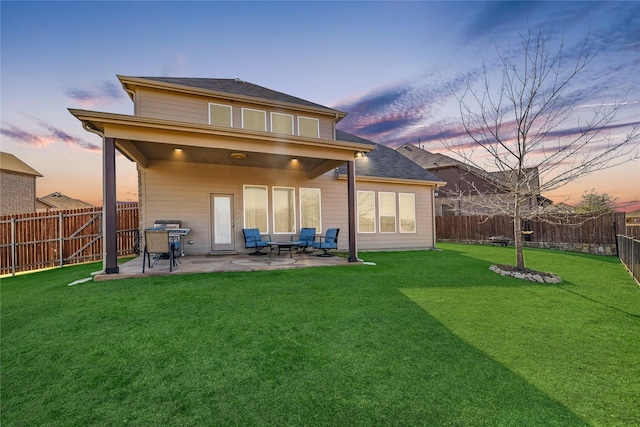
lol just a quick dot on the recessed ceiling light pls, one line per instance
(238, 156)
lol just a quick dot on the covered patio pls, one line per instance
(223, 263)
(145, 141)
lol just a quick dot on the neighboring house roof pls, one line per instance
(235, 87)
(9, 162)
(435, 161)
(385, 162)
(633, 214)
(59, 201)
(562, 207)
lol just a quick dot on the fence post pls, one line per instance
(13, 246)
(615, 238)
(61, 240)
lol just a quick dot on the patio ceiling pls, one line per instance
(143, 140)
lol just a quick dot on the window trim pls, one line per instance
(283, 115)
(317, 126)
(264, 114)
(415, 218)
(221, 105)
(395, 213)
(358, 214)
(319, 191)
(244, 206)
(273, 209)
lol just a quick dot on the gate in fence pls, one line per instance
(34, 241)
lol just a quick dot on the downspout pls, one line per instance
(433, 214)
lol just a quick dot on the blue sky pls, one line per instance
(390, 65)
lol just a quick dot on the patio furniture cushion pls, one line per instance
(328, 241)
(305, 238)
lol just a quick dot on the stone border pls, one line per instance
(532, 276)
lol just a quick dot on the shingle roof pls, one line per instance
(61, 202)
(384, 162)
(9, 162)
(236, 87)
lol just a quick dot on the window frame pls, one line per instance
(221, 105)
(264, 115)
(271, 116)
(292, 212)
(415, 218)
(266, 203)
(317, 126)
(381, 216)
(319, 192)
(373, 206)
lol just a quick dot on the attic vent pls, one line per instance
(57, 195)
(408, 148)
(240, 81)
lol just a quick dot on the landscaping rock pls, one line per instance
(530, 275)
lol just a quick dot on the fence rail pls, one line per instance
(629, 253)
(42, 240)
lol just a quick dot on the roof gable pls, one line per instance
(9, 162)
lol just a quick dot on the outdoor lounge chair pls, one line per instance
(306, 238)
(158, 243)
(253, 240)
(328, 241)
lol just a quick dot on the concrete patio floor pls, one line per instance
(224, 263)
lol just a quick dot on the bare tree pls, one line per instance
(512, 131)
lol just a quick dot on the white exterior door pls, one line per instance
(222, 223)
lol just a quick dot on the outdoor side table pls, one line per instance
(283, 245)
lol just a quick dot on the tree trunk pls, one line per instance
(517, 235)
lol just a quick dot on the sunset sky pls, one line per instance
(390, 65)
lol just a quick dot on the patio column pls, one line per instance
(109, 215)
(351, 195)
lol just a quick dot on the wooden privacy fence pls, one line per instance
(50, 239)
(575, 229)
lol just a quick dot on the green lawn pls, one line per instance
(422, 338)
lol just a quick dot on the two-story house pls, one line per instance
(224, 154)
(470, 190)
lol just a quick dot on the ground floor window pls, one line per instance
(311, 209)
(255, 207)
(284, 217)
(387, 212)
(407, 212)
(366, 212)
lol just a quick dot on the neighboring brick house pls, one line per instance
(17, 186)
(466, 185)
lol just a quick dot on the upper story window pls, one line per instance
(254, 119)
(220, 115)
(308, 127)
(282, 123)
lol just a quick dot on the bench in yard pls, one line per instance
(504, 241)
